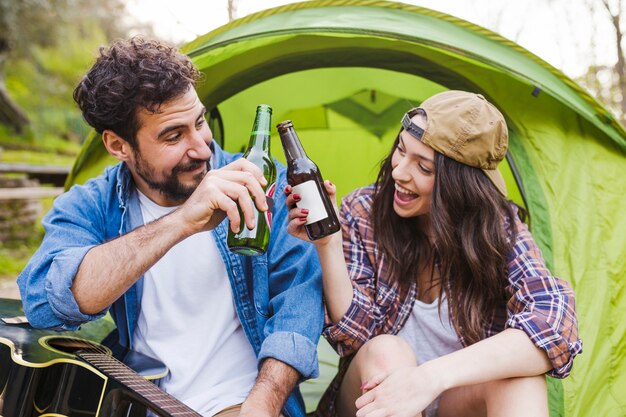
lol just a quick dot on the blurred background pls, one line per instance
(47, 45)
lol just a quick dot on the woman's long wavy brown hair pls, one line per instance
(471, 242)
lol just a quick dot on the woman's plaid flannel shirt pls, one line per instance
(541, 305)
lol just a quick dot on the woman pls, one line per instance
(437, 298)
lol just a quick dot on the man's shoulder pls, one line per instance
(98, 188)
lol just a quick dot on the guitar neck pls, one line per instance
(159, 401)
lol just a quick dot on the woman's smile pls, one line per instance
(402, 196)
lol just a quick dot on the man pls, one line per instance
(147, 240)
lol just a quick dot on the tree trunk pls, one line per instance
(620, 66)
(232, 10)
(10, 113)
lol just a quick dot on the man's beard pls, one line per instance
(171, 187)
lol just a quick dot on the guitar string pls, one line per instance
(111, 366)
(169, 401)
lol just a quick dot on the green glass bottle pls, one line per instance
(253, 242)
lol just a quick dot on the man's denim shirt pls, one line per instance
(278, 296)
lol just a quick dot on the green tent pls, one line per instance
(346, 71)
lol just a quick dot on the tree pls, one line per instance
(615, 13)
(22, 24)
(607, 82)
(232, 10)
(35, 32)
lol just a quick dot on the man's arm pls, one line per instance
(273, 385)
(108, 270)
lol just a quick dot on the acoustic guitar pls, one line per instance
(69, 374)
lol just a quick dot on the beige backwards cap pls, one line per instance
(465, 127)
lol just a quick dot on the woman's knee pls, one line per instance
(387, 352)
(381, 354)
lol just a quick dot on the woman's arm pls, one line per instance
(349, 278)
(336, 281)
(506, 355)
(542, 305)
(408, 391)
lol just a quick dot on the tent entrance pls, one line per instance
(346, 117)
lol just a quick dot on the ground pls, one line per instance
(8, 288)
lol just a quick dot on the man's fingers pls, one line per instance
(229, 207)
(239, 194)
(247, 209)
(244, 165)
(247, 180)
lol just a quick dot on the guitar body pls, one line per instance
(41, 374)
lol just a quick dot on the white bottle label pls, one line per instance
(310, 199)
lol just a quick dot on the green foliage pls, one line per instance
(43, 84)
(30, 22)
(31, 157)
(49, 149)
(14, 256)
(45, 48)
(13, 259)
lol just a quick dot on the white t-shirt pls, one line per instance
(189, 322)
(429, 334)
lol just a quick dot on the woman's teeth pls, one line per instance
(403, 190)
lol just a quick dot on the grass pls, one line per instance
(13, 258)
(15, 255)
(36, 158)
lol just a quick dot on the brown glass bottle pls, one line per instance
(306, 180)
(254, 241)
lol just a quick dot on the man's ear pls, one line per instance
(118, 147)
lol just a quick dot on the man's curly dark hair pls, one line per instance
(128, 76)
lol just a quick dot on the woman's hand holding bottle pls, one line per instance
(298, 216)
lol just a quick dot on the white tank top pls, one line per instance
(188, 321)
(429, 335)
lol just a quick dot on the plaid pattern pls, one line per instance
(540, 304)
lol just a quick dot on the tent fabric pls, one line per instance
(567, 154)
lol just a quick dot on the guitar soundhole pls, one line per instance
(71, 345)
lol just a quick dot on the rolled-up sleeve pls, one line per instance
(295, 350)
(542, 305)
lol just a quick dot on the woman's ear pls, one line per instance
(118, 147)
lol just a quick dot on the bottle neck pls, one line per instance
(260, 135)
(291, 144)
